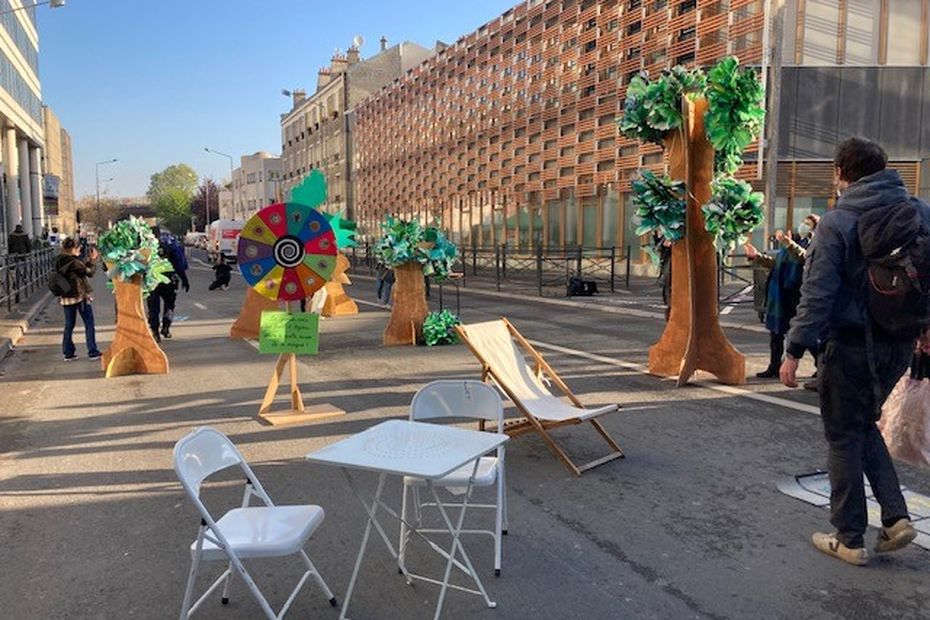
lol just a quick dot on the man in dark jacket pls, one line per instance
(167, 293)
(17, 242)
(853, 386)
(79, 299)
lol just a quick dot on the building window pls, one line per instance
(904, 32)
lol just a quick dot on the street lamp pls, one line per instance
(231, 182)
(97, 177)
(55, 4)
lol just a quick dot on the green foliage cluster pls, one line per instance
(733, 212)
(653, 108)
(171, 193)
(438, 328)
(131, 248)
(660, 206)
(735, 112)
(405, 242)
(343, 229)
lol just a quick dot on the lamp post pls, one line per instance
(55, 4)
(97, 178)
(231, 183)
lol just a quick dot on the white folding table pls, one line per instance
(426, 451)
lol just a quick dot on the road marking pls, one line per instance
(197, 304)
(727, 310)
(726, 389)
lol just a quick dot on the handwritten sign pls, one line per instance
(283, 332)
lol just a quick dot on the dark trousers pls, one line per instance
(168, 294)
(849, 407)
(86, 312)
(776, 350)
(219, 282)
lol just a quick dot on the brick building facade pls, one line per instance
(509, 135)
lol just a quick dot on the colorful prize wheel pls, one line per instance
(287, 252)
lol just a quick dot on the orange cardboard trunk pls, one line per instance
(134, 350)
(408, 306)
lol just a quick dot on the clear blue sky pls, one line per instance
(152, 82)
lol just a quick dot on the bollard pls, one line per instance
(613, 266)
(504, 260)
(539, 268)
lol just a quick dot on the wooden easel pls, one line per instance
(298, 412)
(693, 339)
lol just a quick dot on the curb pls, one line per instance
(17, 328)
(564, 303)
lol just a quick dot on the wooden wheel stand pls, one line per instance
(134, 350)
(298, 412)
(693, 339)
(408, 306)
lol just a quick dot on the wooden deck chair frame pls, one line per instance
(528, 423)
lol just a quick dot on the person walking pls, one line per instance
(166, 294)
(384, 295)
(861, 361)
(79, 300)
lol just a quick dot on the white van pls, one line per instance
(222, 237)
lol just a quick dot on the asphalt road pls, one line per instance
(93, 523)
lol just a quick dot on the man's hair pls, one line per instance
(68, 244)
(859, 157)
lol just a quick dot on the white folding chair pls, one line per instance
(267, 531)
(460, 399)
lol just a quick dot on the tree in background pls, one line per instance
(171, 193)
(203, 212)
(96, 217)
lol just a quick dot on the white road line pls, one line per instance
(370, 303)
(727, 310)
(726, 389)
(197, 304)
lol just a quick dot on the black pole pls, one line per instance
(578, 261)
(539, 267)
(474, 260)
(629, 256)
(497, 266)
(504, 260)
(613, 266)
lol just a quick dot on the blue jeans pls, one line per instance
(86, 310)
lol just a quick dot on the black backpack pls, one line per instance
(59, 284)
(895, 243)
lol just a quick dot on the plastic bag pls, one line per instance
(905, 421)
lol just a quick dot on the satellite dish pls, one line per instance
(358, 41)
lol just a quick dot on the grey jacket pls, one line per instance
(835, 270)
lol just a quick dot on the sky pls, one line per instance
(153, 82)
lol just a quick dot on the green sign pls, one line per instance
(283, 332)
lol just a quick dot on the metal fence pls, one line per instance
(23, 274)
(545, 271)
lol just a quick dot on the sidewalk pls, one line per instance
(14, 324)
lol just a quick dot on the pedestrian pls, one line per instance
(79, 299)
(223, 274)
(782, 294)
(385, 295)
(18, 241)
(381, 271)
(664, 249)
(54, 238)
(166, 294)
(862, 360)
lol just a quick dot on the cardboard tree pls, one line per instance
(338, 302)
(286, 253)
(130, 252)
(704, 123)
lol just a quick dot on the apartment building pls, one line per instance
(316, 132)
(58, 176)
(255, 184)
(22, 135)
(509, 135)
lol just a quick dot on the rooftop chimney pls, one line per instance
(352, 55)
(383, 43)
(298, 96)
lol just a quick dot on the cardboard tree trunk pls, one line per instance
(338, 302)
(246, 325)
(134, 350)
(693, 339)
(408, 306)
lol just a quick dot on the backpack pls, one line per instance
(895, 243)
(59, 284)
